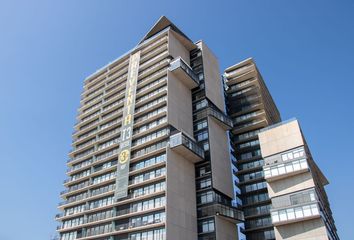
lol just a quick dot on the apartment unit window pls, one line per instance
(201, 104)
(154, 83)
(204, 183)
(256, 198)
(147, 219)
(147, 204)
(252, 176)
(107, 154)
(151, 114)
(74, 210)
(202, 136)
(99, 229)
(150, 137)
(73, 222)
(302, 197)
(149, 175)
(295, 213)
(108, 143)
(150, 125)
(205, 197)
(259, 222)
(248, 134)
(206, 226)
(148, 162)
(200, 125)
(299, 152)
(258, 163)
(254, 187)
(242, 91)
(68, 236)
(149, 149)
(157, 234)
(103, 189)
(150, 104)
(80, 175)
(105, 165)
(249, 144)
(152, 188)
(101, 202)
(206, 146)
(100, 215)
(251, 154)
(103, 177)
(263, 235)
(201, 171)
(257, 210)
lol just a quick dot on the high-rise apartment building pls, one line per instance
(150, 156)
(251, 108)
(167, 148)
(300, 207)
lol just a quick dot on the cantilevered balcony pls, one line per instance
(285, 169)
(222, 119)
(186, 147)
(229, 213)
(184, 72)
(295, 213)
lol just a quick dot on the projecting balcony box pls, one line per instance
(186, 147)
(228, 213)
(221, 119)
(184, 73)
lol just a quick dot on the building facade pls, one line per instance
(300, 207)
(150, 156)
(166, 148)
(251, 108)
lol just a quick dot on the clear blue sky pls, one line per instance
(304, 49)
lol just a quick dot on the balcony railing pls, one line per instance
(218, 115)
(229, 212)
(182, 69)
(187, 147)
(295, 213)
(284, 169)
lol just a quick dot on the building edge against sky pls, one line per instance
(151, 152)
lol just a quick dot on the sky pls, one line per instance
(304, 50)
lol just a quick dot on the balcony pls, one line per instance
(229, 213)
(295, 213)
(222, 119)
(285, 169)
(186, 147)
(184, 72)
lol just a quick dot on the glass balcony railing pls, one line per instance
(180, 139)
(218, 209)
(285, 168)
(179, 63)
(296, 213)
(218, 115)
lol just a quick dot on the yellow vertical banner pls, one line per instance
(126, 132)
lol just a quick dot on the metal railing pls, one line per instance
(180, 63)
(181, 139)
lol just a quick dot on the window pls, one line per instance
(299, 152)
(206, 197)
(206, 226)
(204, 183)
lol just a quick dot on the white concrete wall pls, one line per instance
(176, 48)
(220, 158)
(181, 212)
(179, 104)
(281, 138)
(212, 77)
(308, 230)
